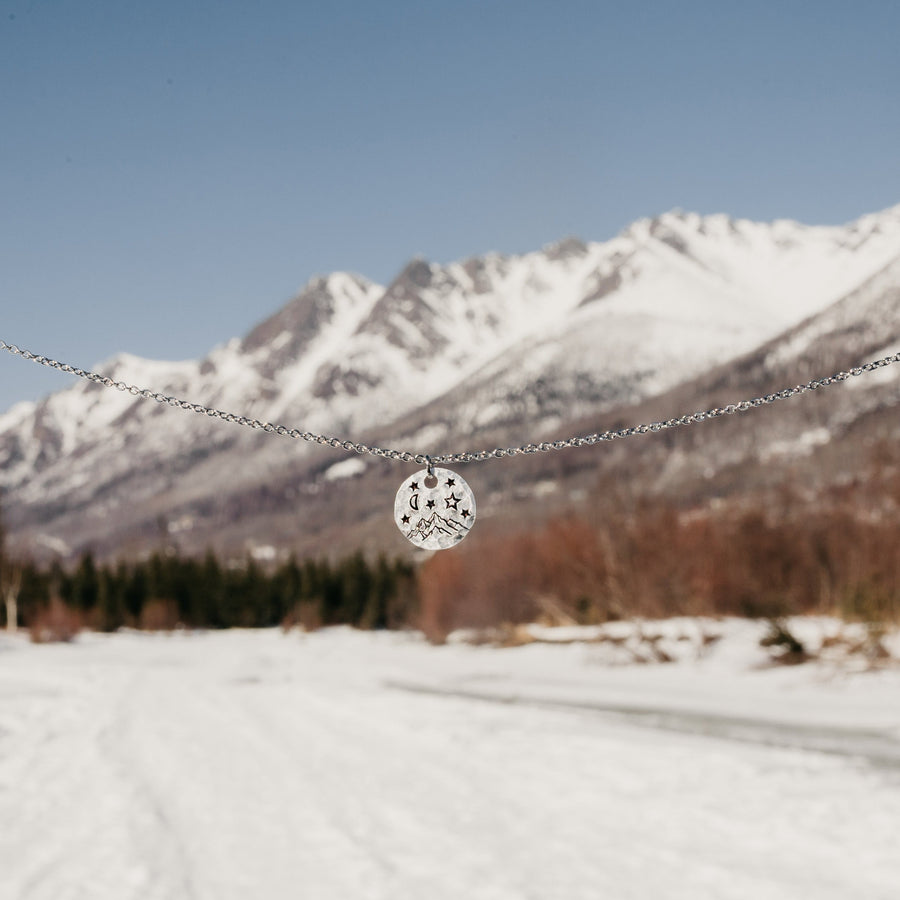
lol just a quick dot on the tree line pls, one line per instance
(786, 552)
(166, 591)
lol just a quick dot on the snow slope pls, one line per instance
(344, 764)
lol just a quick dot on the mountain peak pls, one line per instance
(570, 247)
(416, 274)
(303, 317)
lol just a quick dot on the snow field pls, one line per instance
(351, 765)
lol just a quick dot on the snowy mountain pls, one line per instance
(511, 348)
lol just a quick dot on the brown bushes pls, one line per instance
(158, 615)
(54, 623)
(654, 561)
(493, 582)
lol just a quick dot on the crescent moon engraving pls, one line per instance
(414, 502)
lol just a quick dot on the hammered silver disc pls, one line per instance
(434, 511)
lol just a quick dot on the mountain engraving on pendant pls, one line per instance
(436, 524)
(434, 513)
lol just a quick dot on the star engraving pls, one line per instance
(430, 504)
(465, 513)
(405, 520)
(414, 486)
(452, 501)
(451, 482)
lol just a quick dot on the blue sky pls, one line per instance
(171, 173)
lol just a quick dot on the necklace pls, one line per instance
(435, 508)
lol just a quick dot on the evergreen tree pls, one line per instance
(209, 601)
(34, 593)
(85, 585)
(110, 600)
(356, 586)
(383, 590)
(159, 585)
(134, 589)
(184, 594)
(287, 591)
(331, 595)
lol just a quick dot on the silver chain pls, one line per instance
(465, 456)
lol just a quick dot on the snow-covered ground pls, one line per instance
(349, 765)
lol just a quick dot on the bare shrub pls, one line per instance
(159, 615)
(55, 623)
(304, 616)
(442, 586)
(783, 646)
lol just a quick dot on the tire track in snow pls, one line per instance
(71, 808)
(158, 843)
(878, 748)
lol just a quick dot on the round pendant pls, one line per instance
(434, 511)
